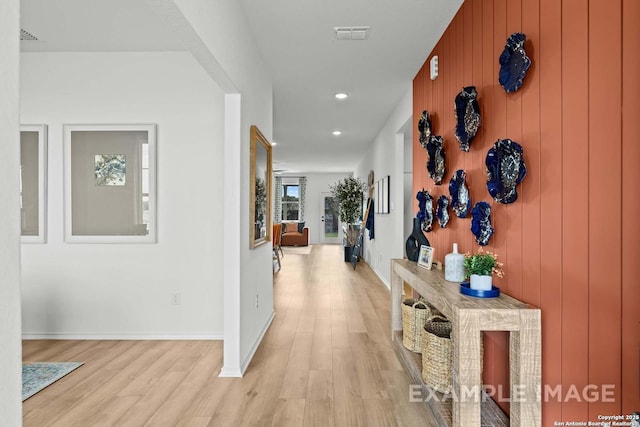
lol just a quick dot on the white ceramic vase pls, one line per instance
(454, 266)
(480, 283)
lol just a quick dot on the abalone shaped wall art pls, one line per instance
(481, 223)
(460, 200)
(505, 170)
(424, 128)
(467, 116)
(435, 164)
(442, 211)
(425, 209)
(514, 63)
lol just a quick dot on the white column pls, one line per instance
(231, 366)
(11, 353)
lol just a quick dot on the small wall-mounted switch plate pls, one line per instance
(433, 67)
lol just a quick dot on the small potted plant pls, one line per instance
(349, 192)
(480, 268)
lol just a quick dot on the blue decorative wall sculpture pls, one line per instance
(481, 223)
(514, 63)
(436, 162)
(442, 211)
(467, 116)
(460, 200)
(505, 170)
(425, 209)
(424, 128)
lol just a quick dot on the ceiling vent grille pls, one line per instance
(24, 35)
(352, 33)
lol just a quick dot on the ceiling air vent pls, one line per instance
(27, 36)
(352, 33)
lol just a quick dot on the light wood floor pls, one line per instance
(325, 361)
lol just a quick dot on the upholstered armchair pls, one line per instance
(294, 234)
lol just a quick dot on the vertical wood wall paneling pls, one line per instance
(530, 190)
(467, 79)
(419, 104)
(499, 211)
(487, 94)
(550, 73)
(476, 152)
(605, 228)
(630, 389)
(456, 76)
(575, 202)
(513, 226)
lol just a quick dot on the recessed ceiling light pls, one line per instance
(273, 143)
(341, 95)
(337, 133)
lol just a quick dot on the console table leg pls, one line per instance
(396, 301)
(526, 371)
(467, 368)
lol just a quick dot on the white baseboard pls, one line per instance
(170, 337)
(230, 373)
(256, 344)
(380, 276)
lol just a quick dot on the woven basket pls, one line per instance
(414, 314)
(437, 354)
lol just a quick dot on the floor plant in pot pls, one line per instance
(481, 267)
(348, 193)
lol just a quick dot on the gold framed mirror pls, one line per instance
(260, 190)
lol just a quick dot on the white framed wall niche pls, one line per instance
(33, 183)
(110, 186)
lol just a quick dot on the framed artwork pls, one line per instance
(382, 195)
(425, 258)
(385, 194)
(260, 191)
(33, 183)
(110, 186)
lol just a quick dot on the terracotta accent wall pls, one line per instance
(571, 242)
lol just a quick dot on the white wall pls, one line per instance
(124, 289)
(222, 28)
(386, 157)
(10, 346)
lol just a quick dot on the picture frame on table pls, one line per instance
(425, 258)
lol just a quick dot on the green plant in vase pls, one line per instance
(348, 192)
(481, 267)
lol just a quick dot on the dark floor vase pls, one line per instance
(415, 240)
(347, 253)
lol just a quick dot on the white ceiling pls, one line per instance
(308, 65)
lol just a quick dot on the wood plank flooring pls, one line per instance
(325, 361)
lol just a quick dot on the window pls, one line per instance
(290, 202)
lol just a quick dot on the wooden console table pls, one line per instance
(470, 316)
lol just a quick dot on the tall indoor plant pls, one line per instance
(349, 192)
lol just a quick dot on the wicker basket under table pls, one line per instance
(437, 354)
(414, 315)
